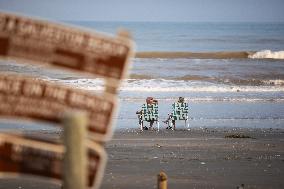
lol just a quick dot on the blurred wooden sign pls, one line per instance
(80, 50)
(23, 97)
(20, 155)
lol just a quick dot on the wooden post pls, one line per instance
(162, 180)
(75, 161)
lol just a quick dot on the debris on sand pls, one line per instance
(238, 136)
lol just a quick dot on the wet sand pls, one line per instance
(199, 158)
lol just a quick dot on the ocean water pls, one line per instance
(247, 91)
(198, 37)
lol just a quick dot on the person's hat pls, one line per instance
(180, 98)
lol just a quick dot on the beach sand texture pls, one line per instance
(199, 158)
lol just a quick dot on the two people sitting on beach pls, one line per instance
(150, 114)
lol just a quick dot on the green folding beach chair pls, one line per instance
(149, 113)
(179, 112)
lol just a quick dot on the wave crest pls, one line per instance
(165, 85)
(267, 54)
(213, 55)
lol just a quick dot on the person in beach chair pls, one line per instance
(179, 112)
(148, 113)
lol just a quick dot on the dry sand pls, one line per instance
(199, 158)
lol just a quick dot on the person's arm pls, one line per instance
(139, 112)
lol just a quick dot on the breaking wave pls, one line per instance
(264, 54)
(166, 85)
(220, 80)
(267, 54)
(163, 85)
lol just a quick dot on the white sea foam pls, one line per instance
(87, 84)
(276, 82)
(267, 54)
(164, 85)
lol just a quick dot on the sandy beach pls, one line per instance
(199, 158)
